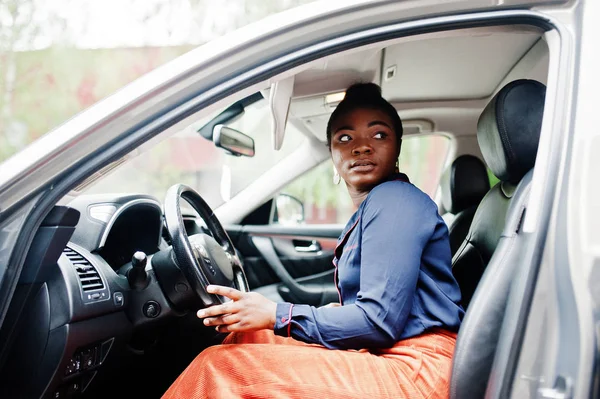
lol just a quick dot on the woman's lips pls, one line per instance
(362, 166)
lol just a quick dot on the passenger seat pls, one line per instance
(485, 266)
(464, 184)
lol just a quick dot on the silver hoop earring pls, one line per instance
(336, 177)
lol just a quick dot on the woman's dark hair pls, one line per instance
(365, 96)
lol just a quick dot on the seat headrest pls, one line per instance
(464, 184)
(509, 127)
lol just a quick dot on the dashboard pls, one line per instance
(137, 228)
(86, 311)
(116, 227)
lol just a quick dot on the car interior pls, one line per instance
(463, 185)
(111, 282)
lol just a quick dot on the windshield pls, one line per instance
(190, 159)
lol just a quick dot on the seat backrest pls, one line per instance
(463, 185)
(508, 134)
(472, 257)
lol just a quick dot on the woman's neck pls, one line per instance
(357, 196)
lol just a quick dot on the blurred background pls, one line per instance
(58, 57)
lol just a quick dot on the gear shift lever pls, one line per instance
(137, 276)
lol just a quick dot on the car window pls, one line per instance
(422, 158)
(190, 159)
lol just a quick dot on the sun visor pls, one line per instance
(280, 97)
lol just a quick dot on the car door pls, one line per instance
(550, 338)
(289, 263)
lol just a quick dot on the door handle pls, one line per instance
(313, 246)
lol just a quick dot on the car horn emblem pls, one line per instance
(203, 253)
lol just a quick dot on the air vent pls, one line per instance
(88, 275)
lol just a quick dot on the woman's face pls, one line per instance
(364, 148)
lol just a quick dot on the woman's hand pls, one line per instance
(248, 311)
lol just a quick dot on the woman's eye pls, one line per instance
(344, 138)
(380, 135)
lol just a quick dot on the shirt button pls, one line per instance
(283, 319)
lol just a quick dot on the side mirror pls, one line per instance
(288, 210)
(233, 141)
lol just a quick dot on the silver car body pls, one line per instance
(561, 317)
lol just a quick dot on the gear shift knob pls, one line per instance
(137, 276)
(139, 259)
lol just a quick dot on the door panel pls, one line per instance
(289, 263)
(304, 256)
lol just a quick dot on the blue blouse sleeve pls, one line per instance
(397, 221)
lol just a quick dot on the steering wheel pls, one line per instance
(203, 259)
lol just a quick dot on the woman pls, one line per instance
(393, 333)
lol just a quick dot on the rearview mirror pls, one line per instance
(233, 141)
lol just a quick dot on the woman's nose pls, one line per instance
(361, 148)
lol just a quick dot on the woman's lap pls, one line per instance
(261, 337)
(262, 365)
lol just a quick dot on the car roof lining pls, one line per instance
(435, 79)
(309, 110)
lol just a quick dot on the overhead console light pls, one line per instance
(390, 72)
(335, 98)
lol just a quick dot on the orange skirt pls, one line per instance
(263, 365)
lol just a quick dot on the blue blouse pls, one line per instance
(393, 273)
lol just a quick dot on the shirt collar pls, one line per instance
(399, 177)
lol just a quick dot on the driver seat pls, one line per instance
(508, 133)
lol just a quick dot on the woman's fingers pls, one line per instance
(228, 292)
(217, 310)
(246, 312)
(228, 307)
(236, 327)
(220, 320)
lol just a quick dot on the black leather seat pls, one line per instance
(464, 184)
(508, 134)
